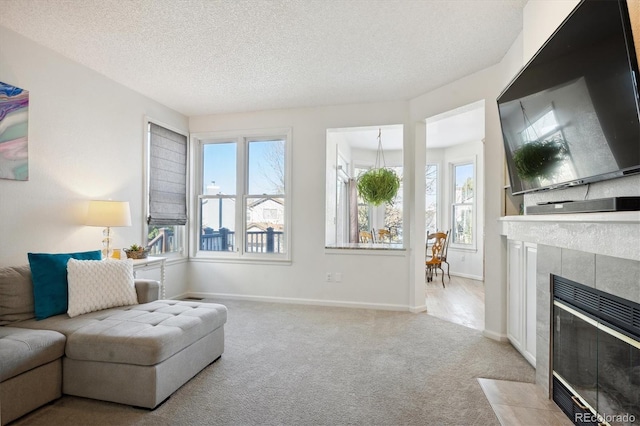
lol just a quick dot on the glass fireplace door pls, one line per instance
(575, 348)
(618, 377)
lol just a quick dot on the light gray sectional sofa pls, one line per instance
(136, 355)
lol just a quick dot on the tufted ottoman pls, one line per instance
(141, 355)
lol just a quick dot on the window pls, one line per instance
(242, 197)
(166, 185)
(462, 208)
(431, 198)
(350, 152)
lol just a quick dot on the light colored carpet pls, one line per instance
(307, 365)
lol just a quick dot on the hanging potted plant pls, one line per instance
(378, 185)
(539, 158)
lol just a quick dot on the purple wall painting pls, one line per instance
(14, 123)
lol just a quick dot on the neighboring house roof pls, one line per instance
(262, 200)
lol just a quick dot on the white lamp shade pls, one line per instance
(109, 213)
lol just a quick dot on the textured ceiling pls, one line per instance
(204, 57)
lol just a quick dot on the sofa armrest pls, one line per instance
(147, 290)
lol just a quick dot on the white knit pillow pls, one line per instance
(99, 284)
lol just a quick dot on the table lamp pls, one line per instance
(108, 214)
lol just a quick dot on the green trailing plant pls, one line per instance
(539, 158)
(378, 186)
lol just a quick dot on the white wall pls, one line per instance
(393, 280)
(86, 136)
(539, 20)
(368, 279)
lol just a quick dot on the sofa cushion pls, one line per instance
(22, 350)
(66, 325)
(99, 284)
(49, 273)
(145, 334)
(16, 294)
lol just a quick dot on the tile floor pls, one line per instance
(515, 403)
(522, 404)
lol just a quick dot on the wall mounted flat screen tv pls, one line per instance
(571, 116)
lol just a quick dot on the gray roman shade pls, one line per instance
(167, 177)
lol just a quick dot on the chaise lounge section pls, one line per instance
(30, 370)
(136, 355)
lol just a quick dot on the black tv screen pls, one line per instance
(571, 115)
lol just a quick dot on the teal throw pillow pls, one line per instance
(50, 286)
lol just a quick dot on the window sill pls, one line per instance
(368, 249)
(242, 261)
(174, 260)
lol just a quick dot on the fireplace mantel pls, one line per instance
(615, 234)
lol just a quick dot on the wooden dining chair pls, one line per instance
(435, 261)
(384, 234)
(445, 250)
(366, 237)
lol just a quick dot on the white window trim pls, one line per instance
(241, 137)
(452, 195)
(376, 214)
(184, 252)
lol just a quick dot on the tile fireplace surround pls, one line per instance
(600, 250)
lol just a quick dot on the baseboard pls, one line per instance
(179, 296)
(495, 336)
(469, 276)
(296, 301)
(418, 309)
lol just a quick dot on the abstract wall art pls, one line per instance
(14, 124)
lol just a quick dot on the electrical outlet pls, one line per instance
(328, 277)
(338, 276)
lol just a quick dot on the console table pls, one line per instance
(150, 263)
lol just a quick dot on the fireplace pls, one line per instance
(595, 355)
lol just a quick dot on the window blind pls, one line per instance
(167, 177)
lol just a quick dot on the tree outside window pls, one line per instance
(431, 198)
